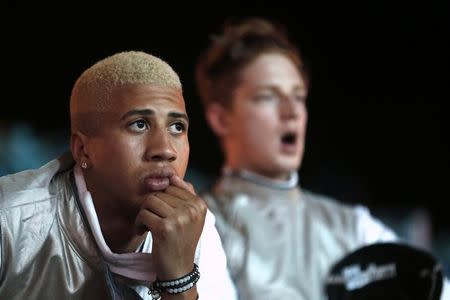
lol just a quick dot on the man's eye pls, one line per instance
(265, 97)
(300, 98)
(139, 125)
(177, 128)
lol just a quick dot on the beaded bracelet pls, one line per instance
(174, 286)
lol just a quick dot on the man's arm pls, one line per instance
(175, 219)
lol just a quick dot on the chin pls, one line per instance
(289, 165)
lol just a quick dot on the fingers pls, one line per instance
(175, 203)
(174, 224)
(175, 217)
(175, 206)
(183, 202)
(159, 226)
(156, 207)
(145, 220)
(185, 191)
(159, 204)
(175, 180)
(193, 204)
(181, 189)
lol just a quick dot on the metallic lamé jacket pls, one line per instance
(281, 241)
(47, 250)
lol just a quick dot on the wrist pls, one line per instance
(188, 295)
(173, 272)
(177, 286)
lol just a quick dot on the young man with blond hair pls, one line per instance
(114, 218)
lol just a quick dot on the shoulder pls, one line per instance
(220, 210)
(216, 203)
(355, 219)
(328, 207)
(211, 201)
(31, 185)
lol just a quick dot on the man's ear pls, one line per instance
(218, 119)
(79, 148)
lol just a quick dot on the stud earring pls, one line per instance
(84, 165)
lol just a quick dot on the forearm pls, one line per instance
(175, 218)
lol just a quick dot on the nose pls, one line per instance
(159, 147)
(289, 107)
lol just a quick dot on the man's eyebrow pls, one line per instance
(174, 114)
(140, 112)
(275, 88)
(149, 112)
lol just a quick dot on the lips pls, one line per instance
(158, 179)
(289, 143)
(154, 184)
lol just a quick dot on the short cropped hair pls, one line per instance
(92, 90)
(219, 68)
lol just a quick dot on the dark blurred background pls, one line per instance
(377, 130)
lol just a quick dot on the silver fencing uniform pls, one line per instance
(47, 250)
(281, 241)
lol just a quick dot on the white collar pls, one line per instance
(137, 266)
(290, 183)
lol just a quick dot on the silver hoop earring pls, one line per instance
(84, 165)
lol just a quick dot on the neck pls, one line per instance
(118, 229)
(287, 183)
(117, 223)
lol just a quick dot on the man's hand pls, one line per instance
(175, 218)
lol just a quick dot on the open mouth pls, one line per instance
(289, 139)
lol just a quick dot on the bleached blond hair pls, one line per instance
(93, 89)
